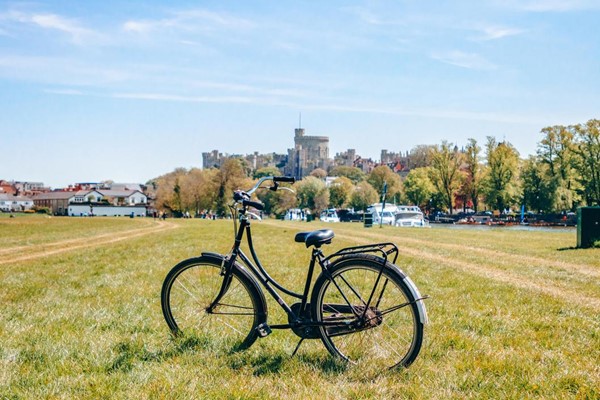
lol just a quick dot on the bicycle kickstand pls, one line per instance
(297, 347)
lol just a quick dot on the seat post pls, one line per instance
(309, 275)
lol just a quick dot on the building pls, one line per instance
(96, 202)
(308, 154)
(10, 203)
(57, 202)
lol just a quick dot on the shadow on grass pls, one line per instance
(567, 248)
(130, 353)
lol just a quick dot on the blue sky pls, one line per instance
(129, 90)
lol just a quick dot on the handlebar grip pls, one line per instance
(255, 204)
(288, 179)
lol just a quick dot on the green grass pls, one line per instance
(514, 314)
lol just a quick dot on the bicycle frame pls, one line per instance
(272, 286)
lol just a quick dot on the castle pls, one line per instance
(308, 154)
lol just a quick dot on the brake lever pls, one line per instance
(286, 188)
(254, 215)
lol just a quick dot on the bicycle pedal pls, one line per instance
(263, 330)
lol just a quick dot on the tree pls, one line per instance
(418, 188)
(168, 192)
(419, 156)
(312, 193)
(363, 196)
(319, 173)
(587, 150)
(381, 175)
(556, 150)
(537, 189)
(277, 202)
(198, 189)
(472, 182)
(340, 192)
(444, 172)
(501, 185)
(231, 176)
(354, 174)
(266, 171)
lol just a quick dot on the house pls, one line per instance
(9, 203)
(94, 202)
(7, 187)
(57, 202)
(123, 197)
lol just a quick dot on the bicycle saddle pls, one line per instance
(315, 238)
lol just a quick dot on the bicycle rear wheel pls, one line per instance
(368, 318)
(191, 287)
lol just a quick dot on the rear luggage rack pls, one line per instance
(382, 249)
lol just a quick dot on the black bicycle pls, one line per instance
(362, 306)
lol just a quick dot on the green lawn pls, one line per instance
(513, 314)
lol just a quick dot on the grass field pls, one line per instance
(513, 314)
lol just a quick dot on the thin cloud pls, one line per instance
(66, 92)
(192, 20)
(497, 32)
(338, 106)
(186, 99)
(50, 21)
(464, 60)
(551, 5)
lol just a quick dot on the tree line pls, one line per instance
(563, 175)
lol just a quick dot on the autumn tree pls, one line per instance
(231, 176)
(354, 174)
(319, 173)
(419, 156)
(198, 189)
(168, 191)
(445, 161)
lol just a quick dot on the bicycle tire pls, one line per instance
(193, 284)
(388, 334)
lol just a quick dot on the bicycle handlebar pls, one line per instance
(244, 197)
(287, 179)
(259, 206)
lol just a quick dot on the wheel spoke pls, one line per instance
(386, 333)
(192, 286)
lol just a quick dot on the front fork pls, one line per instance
(227, 265)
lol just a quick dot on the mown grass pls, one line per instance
(514, 314)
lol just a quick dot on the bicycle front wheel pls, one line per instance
(189, 290)
(367, 316)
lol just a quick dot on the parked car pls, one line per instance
(329, 216)
(346, 215)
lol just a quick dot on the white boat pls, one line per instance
(382, 215)
(410, 216)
